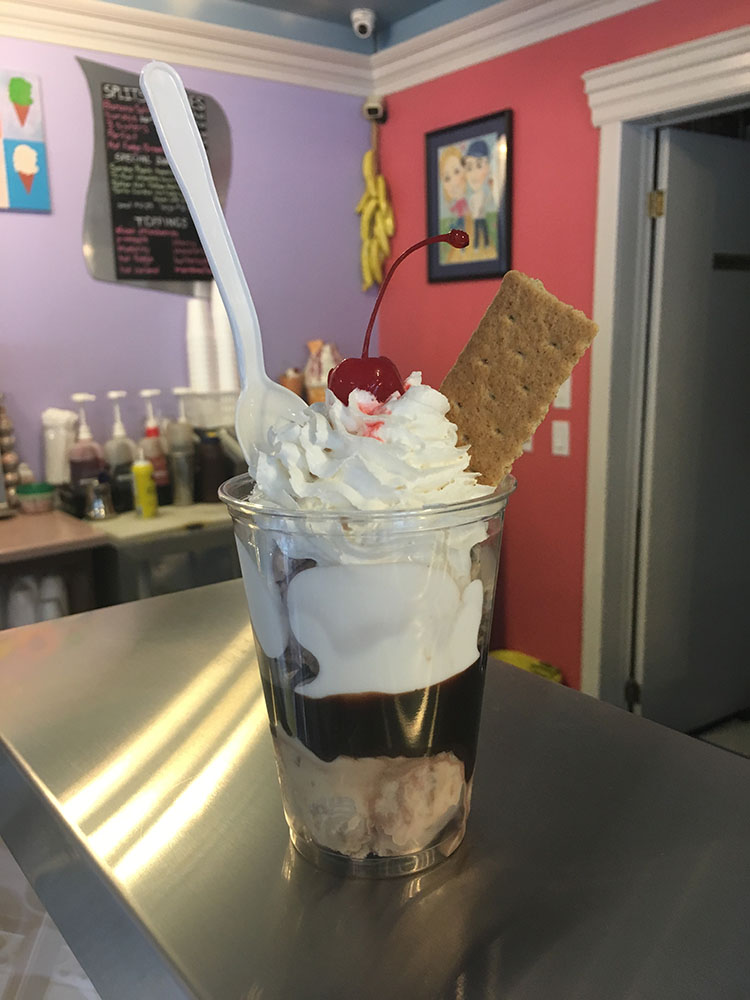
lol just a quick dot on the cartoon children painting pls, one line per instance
(481, 200)
(468, 188)
(453, 179)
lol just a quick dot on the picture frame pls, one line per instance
(469, 175)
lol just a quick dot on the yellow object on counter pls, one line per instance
(144, 488)
(528, 663)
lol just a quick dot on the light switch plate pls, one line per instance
(561, 437)
(562, 400)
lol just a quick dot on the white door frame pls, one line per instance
(628, 101)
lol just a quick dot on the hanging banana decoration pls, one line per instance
(376, 222)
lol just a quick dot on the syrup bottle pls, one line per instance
(85, 457)
(144, 487)
(153, 448)
(120, 453)
(180, 438)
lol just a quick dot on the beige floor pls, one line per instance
(35, 962)
(731, 735)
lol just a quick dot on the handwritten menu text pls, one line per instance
(154, 235)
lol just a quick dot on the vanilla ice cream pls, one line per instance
(26, 164)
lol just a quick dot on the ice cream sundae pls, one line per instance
(368, 538)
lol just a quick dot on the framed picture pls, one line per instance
(468, 187)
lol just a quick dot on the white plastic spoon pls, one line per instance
(261, 402)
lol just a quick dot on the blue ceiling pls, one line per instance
(388, 11)
(322, 22)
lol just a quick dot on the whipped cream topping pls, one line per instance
(401, 454)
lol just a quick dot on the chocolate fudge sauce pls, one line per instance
(432, 720)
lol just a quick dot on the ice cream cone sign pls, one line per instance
(19, 93)
(25, 164)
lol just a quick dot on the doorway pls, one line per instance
(631, 105)
(691, 580)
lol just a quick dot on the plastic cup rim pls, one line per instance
(477, 507)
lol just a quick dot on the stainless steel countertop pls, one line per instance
(606, 857)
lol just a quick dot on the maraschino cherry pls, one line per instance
(379, 375)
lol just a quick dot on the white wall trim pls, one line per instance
(128, 31)
(707, 75)
(610, 146)
(495, 31)
(696, 73)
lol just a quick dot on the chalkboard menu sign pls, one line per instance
(137, 227)
(154, 236)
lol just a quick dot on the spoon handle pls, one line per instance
(183, 146)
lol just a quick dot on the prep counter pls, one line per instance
(119, 559)
(606, 857)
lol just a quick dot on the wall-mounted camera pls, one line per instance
(374, 109)
(363, 21)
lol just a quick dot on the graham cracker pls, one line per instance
(506, 378)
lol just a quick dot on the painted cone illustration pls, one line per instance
(25, 164)
(19, 94)
(22, 110)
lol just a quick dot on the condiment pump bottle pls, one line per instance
(181, 440)
(120, 453)
(85, 457)
(153, 448)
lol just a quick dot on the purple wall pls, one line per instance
(295, 181)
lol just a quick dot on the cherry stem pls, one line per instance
(456, 237)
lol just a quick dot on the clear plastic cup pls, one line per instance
(372, 633)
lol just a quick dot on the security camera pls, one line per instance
(374, 109)
(363, 21)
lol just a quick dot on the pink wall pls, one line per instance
(554, 203)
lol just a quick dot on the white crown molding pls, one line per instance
(128, 31)
(696, 73)
(486, 34)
